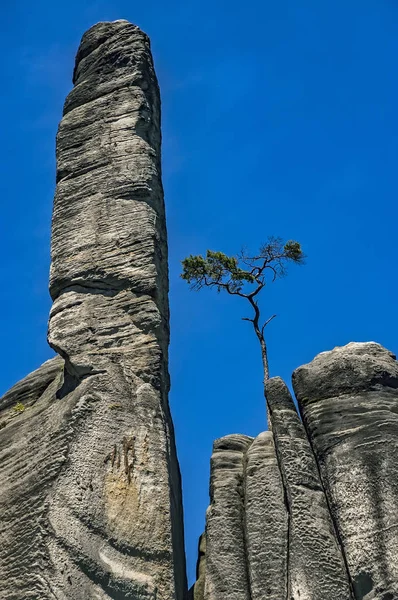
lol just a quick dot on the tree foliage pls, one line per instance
(244, 275)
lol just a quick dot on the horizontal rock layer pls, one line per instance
(92, 502)
(309, 510)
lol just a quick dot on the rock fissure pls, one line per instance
(286, 503)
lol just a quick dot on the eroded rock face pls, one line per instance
(266, 538)
(317, 496)
(226, 571)
(100, 493)
(349, 401)
(90, 495)
(315, 564)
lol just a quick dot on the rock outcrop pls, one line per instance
(309, 511)
(91, 496)
(349, 402)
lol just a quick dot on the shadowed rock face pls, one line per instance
(91, 507)
(318, 496)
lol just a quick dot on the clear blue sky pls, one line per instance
(278, 118)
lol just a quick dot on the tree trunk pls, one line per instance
(264, 357)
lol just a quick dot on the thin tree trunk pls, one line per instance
(264, 357)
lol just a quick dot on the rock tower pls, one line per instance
(91, 503)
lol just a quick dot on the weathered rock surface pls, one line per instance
(92, 501)
(34, 436)
(197, 591)
(266, 538)
(310, 510)
(226, 564)
(315, 565)
(244, 552)
(90, 495)
(349, 401)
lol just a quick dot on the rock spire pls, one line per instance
(92, 501)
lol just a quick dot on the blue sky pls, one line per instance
(279, 118)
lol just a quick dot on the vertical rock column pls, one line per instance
(115, 516)
(349, 402)
(246, 524)
(315, 563)
(266, 520)
(227, 576)
(317, 514)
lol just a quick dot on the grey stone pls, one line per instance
(245, 554)
(316, 568)
(266, 519)
(29, 390)
(92, 503)
(90, 496)
(197, 591)
(318, 506)
(34, 432)
(226, 562)
(349, 402)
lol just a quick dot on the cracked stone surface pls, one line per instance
(91, 507)
(315, 564)
(226, 564)
(266, 538)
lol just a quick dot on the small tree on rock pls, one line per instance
(245, 276)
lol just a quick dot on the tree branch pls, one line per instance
(226, 286)
(266, 323)
(256, 291)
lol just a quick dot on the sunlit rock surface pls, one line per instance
(310, 511)
(91, 496)
(349, 402)
(90, 493)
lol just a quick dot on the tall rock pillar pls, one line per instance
(106, 522)
(110, 322)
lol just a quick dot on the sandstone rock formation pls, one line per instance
(310, 511)
(91, 495)
(349, 402)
